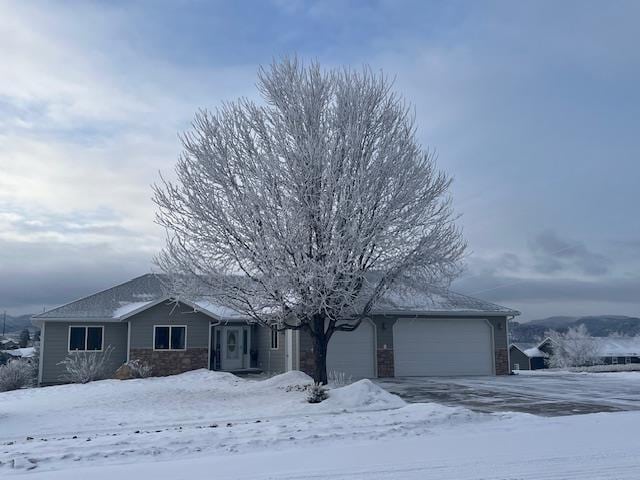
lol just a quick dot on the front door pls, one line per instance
(232, 348)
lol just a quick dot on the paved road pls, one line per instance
(546, 394)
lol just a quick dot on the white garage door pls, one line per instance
(442, 347)
(353, 353)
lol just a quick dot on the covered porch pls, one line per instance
(239, 347)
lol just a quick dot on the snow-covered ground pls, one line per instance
(212, 425)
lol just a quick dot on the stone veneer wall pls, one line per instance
(385, 362)
(502, 361)
(172, 362)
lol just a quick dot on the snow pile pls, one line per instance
(288, 379)
(201, 376)
(362, 395)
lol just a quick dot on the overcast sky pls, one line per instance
(533, 107)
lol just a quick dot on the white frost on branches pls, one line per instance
(575, 348)
(85, 367)
(302, 211)
(17, 373)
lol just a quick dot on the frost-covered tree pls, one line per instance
(574, 348)
(303, 210)
(25, 338)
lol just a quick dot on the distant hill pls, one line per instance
(598, 326)
(16, 324)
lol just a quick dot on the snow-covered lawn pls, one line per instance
(212, 425)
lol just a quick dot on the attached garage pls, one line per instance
(353, 353)
(443, 347)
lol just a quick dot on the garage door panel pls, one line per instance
(353, 353)
(442, 347)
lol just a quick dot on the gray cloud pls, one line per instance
(38, 274)
(544, 139)
(504, 288)
(554, 255)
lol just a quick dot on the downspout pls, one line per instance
(128, 341)
(506, 326)
(41, 357)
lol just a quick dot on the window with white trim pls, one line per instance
(86, 339)
(274, 339)
(614, 360)
(169, 337)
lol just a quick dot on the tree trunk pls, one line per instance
(320, 361)
(320, 342)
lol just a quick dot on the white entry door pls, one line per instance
(441, 347)
(232, 348)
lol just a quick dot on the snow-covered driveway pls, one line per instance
(541, 392)
(211, 425)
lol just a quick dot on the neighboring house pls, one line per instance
(7, 344)
(440, 333)
(613, 350)
(531, 358)
(26, 352)
(619, 350)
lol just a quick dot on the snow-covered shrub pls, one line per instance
(16, 374)
(85, 367)
(139, 368)
(34, 360)
(575, 348)
(339, 379)
(298, 388)
(316, 393)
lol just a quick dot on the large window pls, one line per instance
(86, 339)
(169, 337)
(274, 338)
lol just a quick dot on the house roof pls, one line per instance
(529, 351)
(535, 352)
(619, 346)
(122, 301)
(436, 301)
(607, 347)
(26, 352)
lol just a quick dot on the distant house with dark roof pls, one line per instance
(430, 332)
(612, 351)
(534, 357)
(7, 344)
(619, 350)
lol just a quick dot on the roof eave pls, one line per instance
(447, 313)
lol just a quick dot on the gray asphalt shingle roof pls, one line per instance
(146, 290)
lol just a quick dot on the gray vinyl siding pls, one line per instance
(269, 360)
(499, 325)
(55, 347)
(516, 356)
(169, 314)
